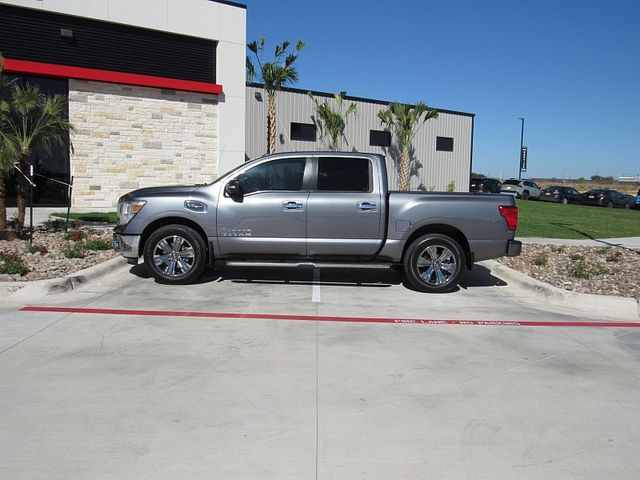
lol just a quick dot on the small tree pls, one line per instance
(274, 75)
(404, 121)
(31, 120)
(332, 122)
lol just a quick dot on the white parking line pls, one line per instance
(315, 295)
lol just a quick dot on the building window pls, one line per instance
(344, 174)
(305, 132)
(444, 144)
(379, 138)
(51, 165)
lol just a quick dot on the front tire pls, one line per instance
(175, 255)
(434, 263)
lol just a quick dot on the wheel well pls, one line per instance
(447, 230)
(152, 227)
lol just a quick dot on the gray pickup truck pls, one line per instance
(320, 209)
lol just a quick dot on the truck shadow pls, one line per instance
(362, 278)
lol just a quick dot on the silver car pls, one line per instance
(524, 189)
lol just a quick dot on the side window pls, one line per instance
(275, 175)
(344, 174)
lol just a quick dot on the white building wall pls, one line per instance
(438, 170)
(198, 18)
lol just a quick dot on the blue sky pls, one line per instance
(570, 67)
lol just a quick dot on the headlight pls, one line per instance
(127, 210)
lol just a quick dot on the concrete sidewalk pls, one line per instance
(627, 242)
(41, 214)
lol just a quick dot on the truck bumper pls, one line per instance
(514, 247)
(127, 246)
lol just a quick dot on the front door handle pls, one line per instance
(289, 206)
(367, 207)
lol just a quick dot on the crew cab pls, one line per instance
(314, 209)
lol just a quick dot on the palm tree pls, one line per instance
(274, 75)
(404, 121)
(31, 120)
(333, 121)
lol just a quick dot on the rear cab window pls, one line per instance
(344, 174)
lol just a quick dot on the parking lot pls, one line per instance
(315, 374)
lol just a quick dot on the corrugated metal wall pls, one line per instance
(438, 168)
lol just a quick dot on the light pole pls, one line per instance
(521, 145)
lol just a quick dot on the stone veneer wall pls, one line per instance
(131, 137)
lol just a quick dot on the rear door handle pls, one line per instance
(288, 206)
(367, 207)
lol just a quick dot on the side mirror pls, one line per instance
(233, 189)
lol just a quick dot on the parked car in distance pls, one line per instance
(637, 202)
(559, 194)
(524, 189)
(487, 185)
(604, 197)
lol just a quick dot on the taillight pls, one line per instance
(510, 214)
(556, 192)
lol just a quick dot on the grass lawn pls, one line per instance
(106, 217)
(552, 220)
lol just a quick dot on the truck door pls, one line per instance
(344, 213)
(269, 218)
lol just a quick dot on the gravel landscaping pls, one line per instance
(597, 270)
(54, 253)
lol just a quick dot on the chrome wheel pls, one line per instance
(174, 256)
(434, 263)
(437, 265)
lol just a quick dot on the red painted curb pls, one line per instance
(321, 318)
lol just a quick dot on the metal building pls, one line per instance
(443, 146)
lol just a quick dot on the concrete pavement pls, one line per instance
(126, 395)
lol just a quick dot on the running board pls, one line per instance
(286, 264)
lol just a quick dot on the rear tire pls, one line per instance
(610, 205)
(525, 195)
(175, 255)
(565, 201)
(434, 263)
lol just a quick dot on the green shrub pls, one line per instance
(579, 269)
(53, 224)
(75, 235)
(12, 264)
(41, 249)
(75, 251)
(97, 244)
(541, 260)
(451, 186)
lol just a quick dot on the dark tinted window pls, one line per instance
(51, 165)
(276, 175)
(344, 174)
(305, 132)
(511, 182)
(444, 144)
(379, 138)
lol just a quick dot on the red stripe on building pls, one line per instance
(65, 71)
(321, 318)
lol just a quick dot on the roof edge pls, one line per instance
(355, 99)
